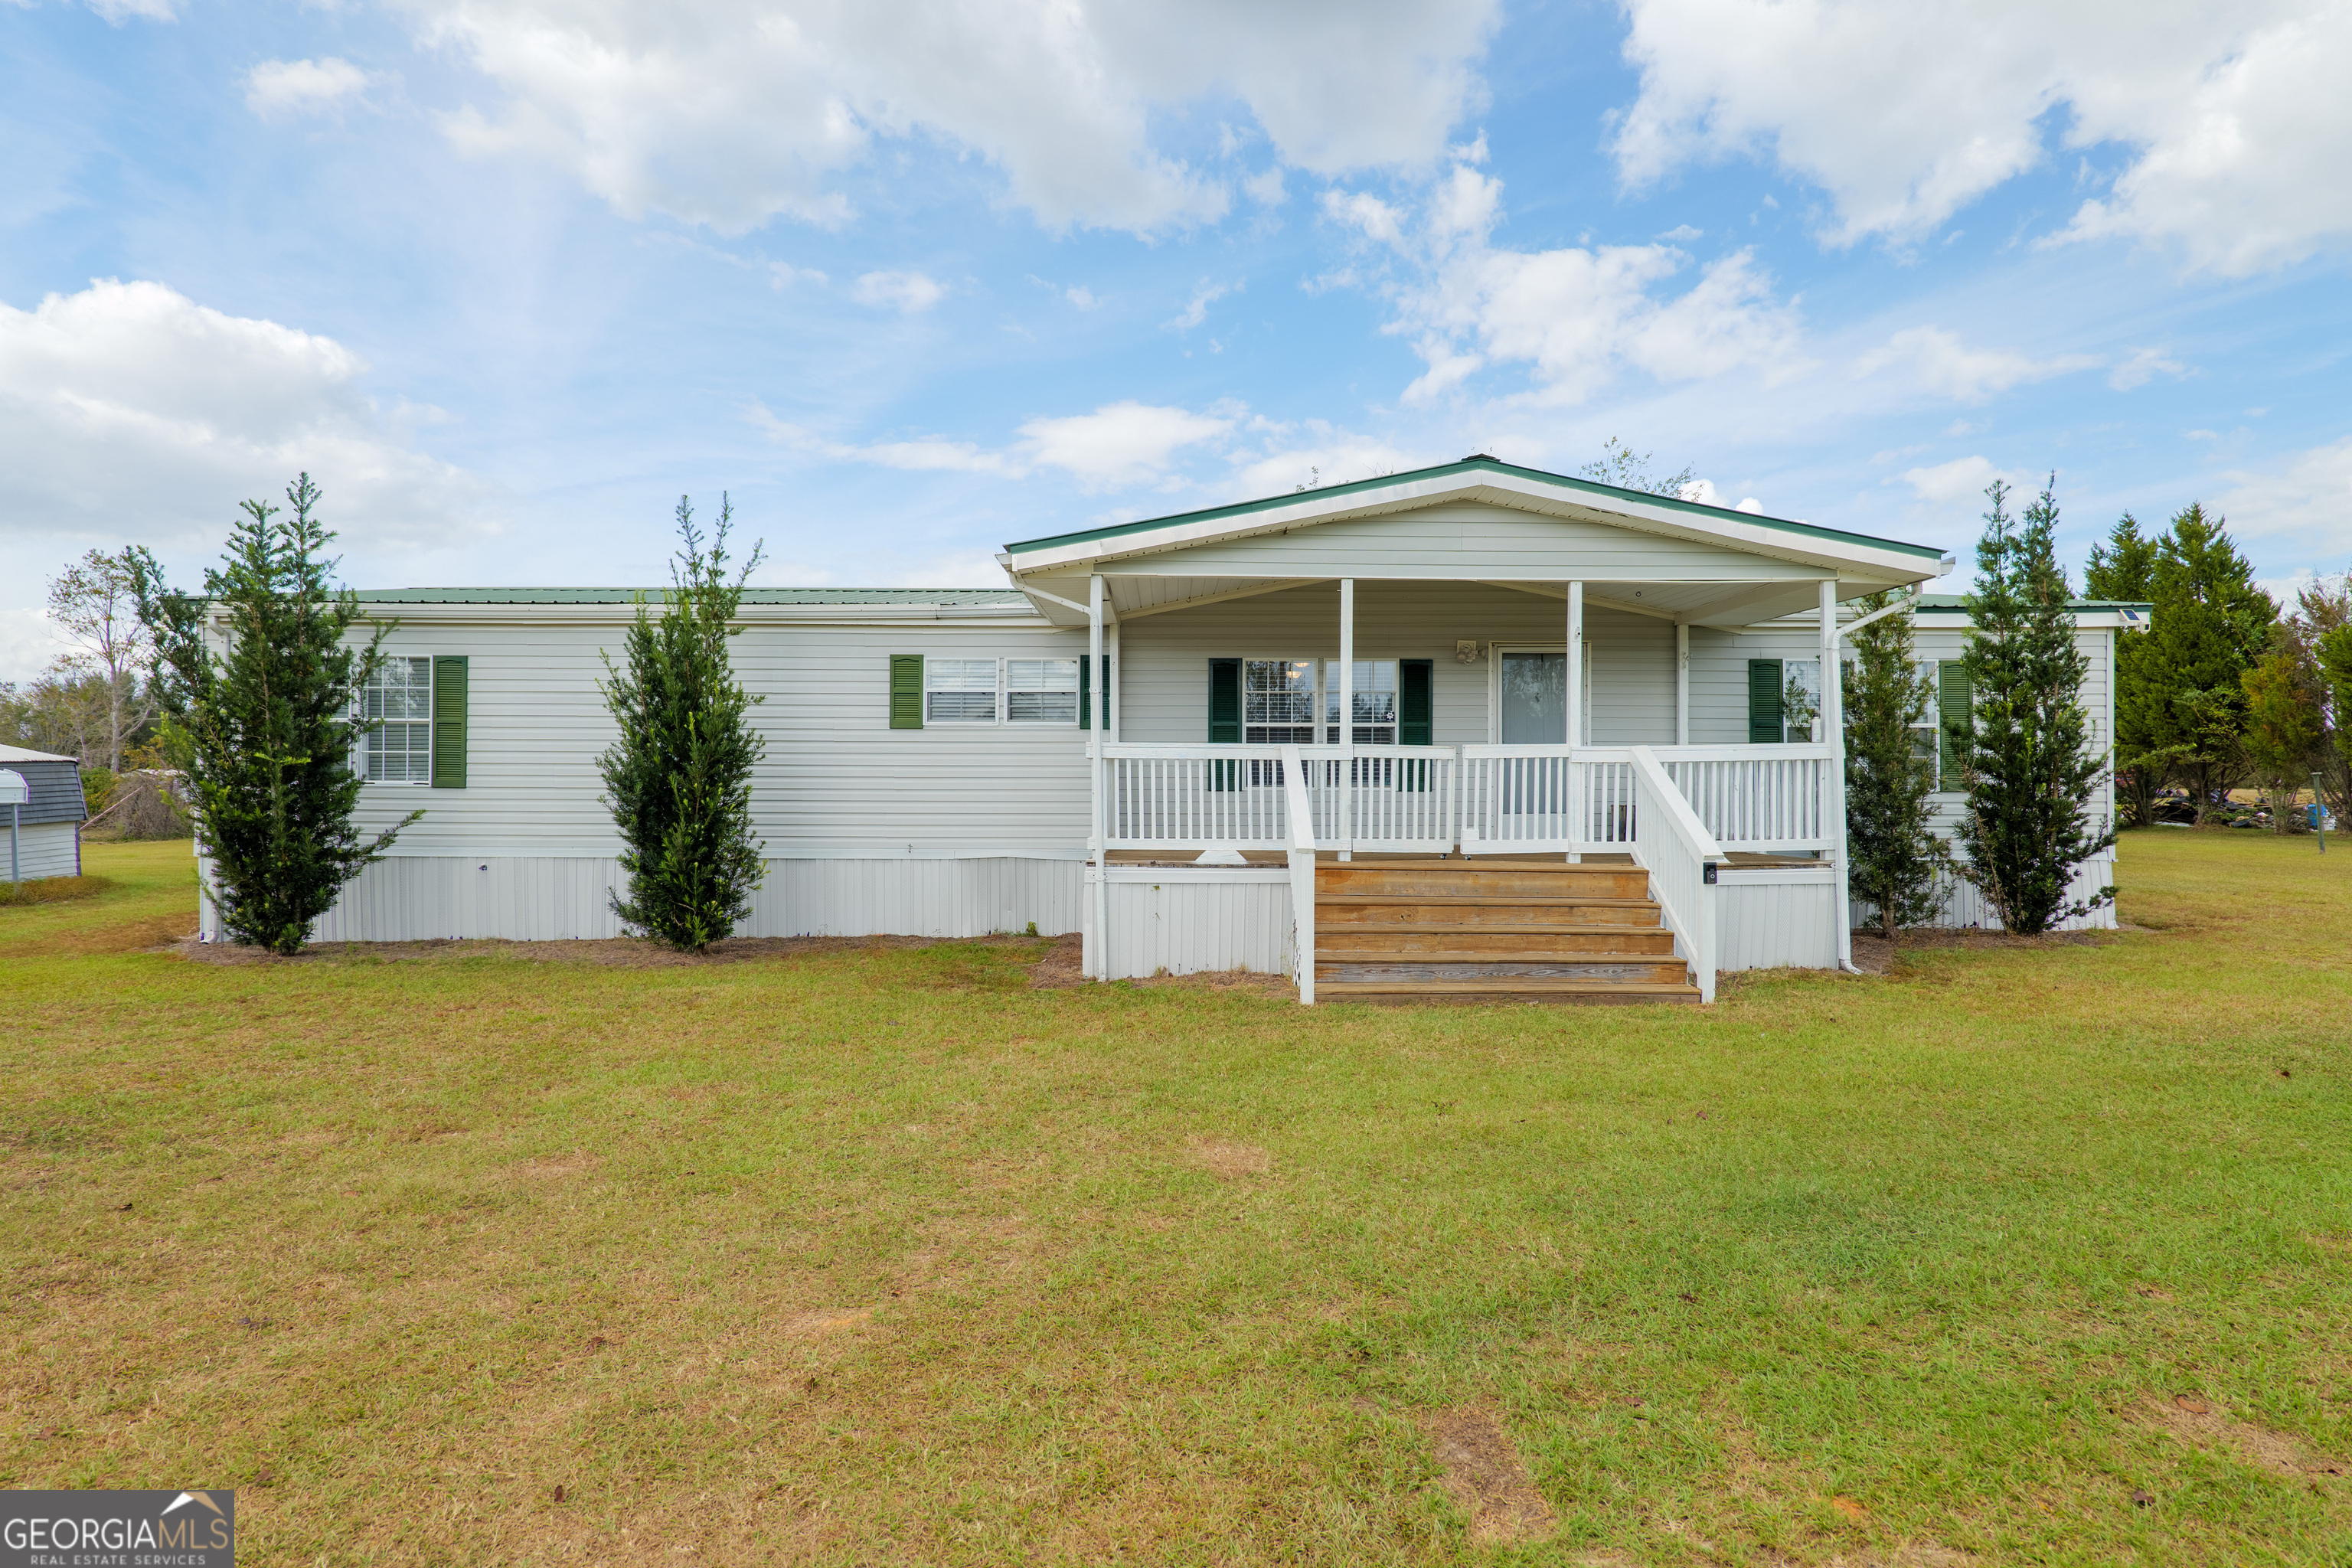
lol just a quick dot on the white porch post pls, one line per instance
(1101, 965)
(1681, 683)
(1110, 687)
(1834, 788)
(1577, 822)
(1348, 718)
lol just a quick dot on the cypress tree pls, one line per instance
(678, 778)
(2179, 699)
(2123, 571)
(1892, 849)
(2024, 749)
(268, 726)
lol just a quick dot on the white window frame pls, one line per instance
(1327, 703)
(995, 690)
(373, 726)
(1932, 723)
(1075, 689)
(1314, 703)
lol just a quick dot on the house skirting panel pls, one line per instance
(1965, 906)
(422, 898)
(1776, 918)
(1184, 920)
(43, 849)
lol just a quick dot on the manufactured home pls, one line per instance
(1474, 729)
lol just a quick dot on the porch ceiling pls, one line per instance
(1061, 598)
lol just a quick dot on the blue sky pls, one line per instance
(912, 280)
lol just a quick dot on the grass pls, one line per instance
(881, 1255)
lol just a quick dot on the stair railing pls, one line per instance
(1300, 804)
(1673, 845)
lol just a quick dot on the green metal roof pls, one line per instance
(972, 596)
(1477, 464)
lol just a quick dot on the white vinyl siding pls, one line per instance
(396, 706)
(1163, 688)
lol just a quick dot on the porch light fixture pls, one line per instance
(1465, 652)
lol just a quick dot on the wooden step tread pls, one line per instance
(1658, 990)
(1413, 958)
(1484, 928)
(1487, 901)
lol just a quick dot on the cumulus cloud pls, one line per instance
(2307, 501)
(908, 293)
(274, 89)
(729, 112)
(127, 411)
(1963, 479)
(1118, 444)
(1704, 492)
(2231, 118)
(1574, 316)
(1945, 366)
(117, 12)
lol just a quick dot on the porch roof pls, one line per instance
(1479, 519)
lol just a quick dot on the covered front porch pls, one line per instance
(1469, 665)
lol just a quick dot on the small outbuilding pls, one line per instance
(47, 838)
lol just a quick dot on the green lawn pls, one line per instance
(882, 1255)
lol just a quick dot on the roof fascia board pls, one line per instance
(747, 615)
(1498, 489)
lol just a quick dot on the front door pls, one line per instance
(1534, 700)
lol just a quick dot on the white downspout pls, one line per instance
(1681, 683)
(1577, 821)
(1833, 732)
(1101, 846)
(1348, 718)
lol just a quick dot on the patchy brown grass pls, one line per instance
(52, 889)
(857, 1252)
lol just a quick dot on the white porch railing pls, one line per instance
(1681, 856)
(1482, 800)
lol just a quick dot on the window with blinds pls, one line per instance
(396, 708)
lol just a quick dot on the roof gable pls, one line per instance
(1477, 478)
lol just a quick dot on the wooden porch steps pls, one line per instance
(1455, 931)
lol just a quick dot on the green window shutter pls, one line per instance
(1952, 709)
(1764, 703)
(1416, 702)
(906, 691)
(1225, 702)
(1225, 720)
(1087, 695)
(449, 720)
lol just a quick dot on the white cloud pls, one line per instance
(1574, 316)
(2309, 500)
(1683, 233)
(2233, 117)
(1118, 444)
(129, 413)
(729, 112)
(1942, 364)
(275, 88)
(1266, 188)
(2144, 366)
(117, 12)
(908, 293)
(783, 275)
(1963, 479)
(1197, 312)
(1083, 298)
(1314, 453)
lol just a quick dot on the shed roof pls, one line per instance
(52, 782)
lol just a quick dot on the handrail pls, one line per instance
(1675, 847)
(1300, 808)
